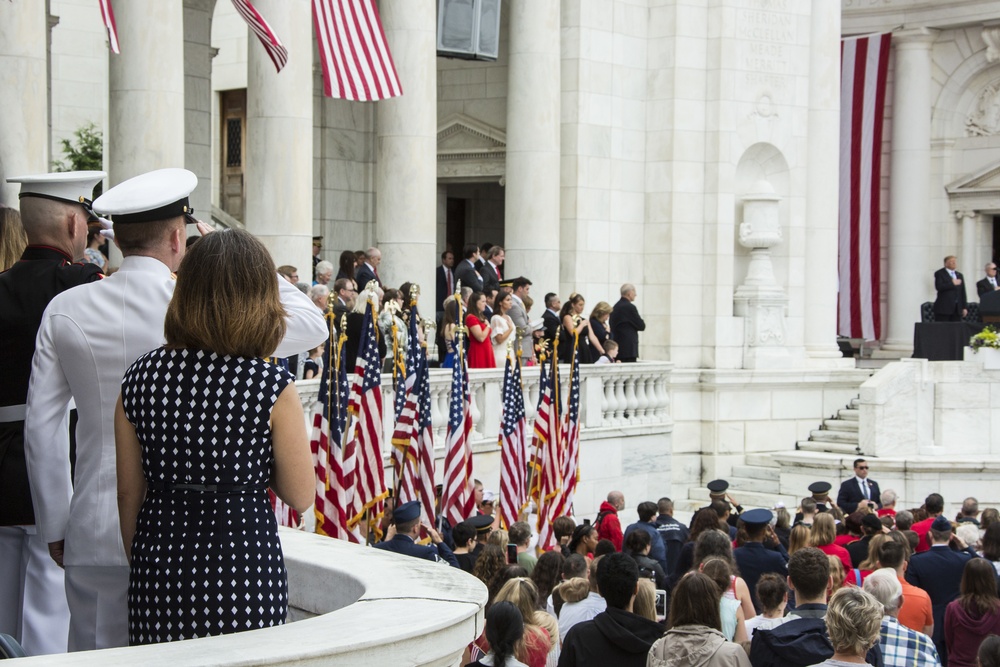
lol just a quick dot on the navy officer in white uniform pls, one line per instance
(406, 530)
(55, 209)
(87, 339)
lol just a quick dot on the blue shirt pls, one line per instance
(657, 550)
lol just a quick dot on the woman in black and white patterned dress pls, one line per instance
(203, 427)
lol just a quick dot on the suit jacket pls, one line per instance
(490, 277)
(950, 297)
(365, 275)
(89, 336)
(519, 316)
(939, 572)
(850, 494)
(984, 287)
(467, 274)
(441, 292)
(625, 327)
(552, 325)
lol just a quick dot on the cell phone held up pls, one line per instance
(512, 554)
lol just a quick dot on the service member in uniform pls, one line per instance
(483, 523)
(87, 339)
(406, 529)
(717, 490)
(54, 211)
(821, 494)
(755, 558)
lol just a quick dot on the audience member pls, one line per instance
(858, 491)
(521, 287)
(504, 632)
(647, 523)
(916, 613)
(989, 516)
(798, 538)
(92, 254)
(645, 600)
(502, 326)
(575, 331)
(989, 652)
(348, 265)
(582, 605)
(730, 613)
(466, 272)
(853, 623)
(550, 321)
(704, 519)
(520, 535)
(901, 646)
(464, 537)
(607, 523)
(616, 636)
(562, 528)
(888, 504)
(754, 558)
(808, 509)
(480, 348)
(973, 615)
(289, 273)
(673, 533)
(823, 534)
(637, 545)
(858, 550)
(536, 644)
(610, 355)
(782, 524)
(904, 520)
(600, 327)
(313, 365)
(490, 269)
(991, 546)
(716, 544)
(13, 239)
(969, 512)
(584, 540)
(319, 295)
(934, 506)
(324, 272)
(367, 271)
(547, 574)
(574, 566)
(489, 562)
(772, 591)
(626, 325)
(604, 547)
(695, 637)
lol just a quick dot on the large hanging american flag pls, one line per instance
(276, 51)
(413, 439)
(329, 423)
(513, 452)
(356, 61)
(108, 17)
(458, 502)
(571, 442)
(548, 453)
(365, 430)
(864, 64)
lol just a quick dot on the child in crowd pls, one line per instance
(610, 352)
(772, 591)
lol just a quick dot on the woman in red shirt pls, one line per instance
(480, 346)
(822, 536)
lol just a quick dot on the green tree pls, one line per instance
(84, 153)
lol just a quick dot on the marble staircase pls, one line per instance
(837, 435)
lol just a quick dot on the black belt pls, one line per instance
(205, 488)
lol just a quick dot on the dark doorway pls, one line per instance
(454, 235)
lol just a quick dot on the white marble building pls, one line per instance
(687, 146)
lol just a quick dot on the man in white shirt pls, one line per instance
(88, 337)
(990, 283)
(582, 610)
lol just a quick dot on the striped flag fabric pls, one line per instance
(108, 17)
(284, 514)
(365, 430)
(413, 439)
(329, 423)
(571, 441)
(355, 57)
(458, 501)
(276, 51)
(549, 454)
(512, 440)
(864, 64)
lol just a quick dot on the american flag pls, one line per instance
(863, 67)
(356, 61)
(413, 439)
(329, 422)
(513, 454)
(365, 430)
(284, 514)
(458, 502)
(108, 16)
(275, 49)
(571, 441)
(548, 453)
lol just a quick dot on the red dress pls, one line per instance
(480, 354)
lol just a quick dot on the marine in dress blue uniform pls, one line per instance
(406, 519)
(754, 558)
(55, 210)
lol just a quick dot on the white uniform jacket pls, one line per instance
(87, 340)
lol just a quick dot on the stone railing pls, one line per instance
(620, 397)
(352, 605)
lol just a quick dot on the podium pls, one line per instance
(989, 307)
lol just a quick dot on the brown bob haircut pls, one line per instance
(226, 299)
(695, 602)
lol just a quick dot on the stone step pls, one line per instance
(834, 436)
(754, 484)
(855, 403)
(845, 425)
(770, 473)
(839, 447)
(761, 461)
(849, 414)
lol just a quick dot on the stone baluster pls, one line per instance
(606, 401)
(641, 399)
(620, 401)
(663, 399)
(631, 402)
(475, 409)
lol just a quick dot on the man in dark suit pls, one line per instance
(859, 490)
(490, 270)
(406, 521)
(990, 283)
(445, 283)
(626, 325)
(551, 320)
(939, 572)
(368, 271)
(346, 293)
(466, 269)
(950, 305)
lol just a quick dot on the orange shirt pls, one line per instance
(916, 612)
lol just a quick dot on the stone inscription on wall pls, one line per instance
(765, 29)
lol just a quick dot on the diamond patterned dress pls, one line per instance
(204, 563)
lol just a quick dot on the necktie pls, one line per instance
(993, 281)
(451, 285)
(497, 269)
(864, 490)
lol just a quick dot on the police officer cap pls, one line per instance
(941, 524)
(150, 197)
(757, 517)
(819, 488)
(406, 512)
(74, 187)
(718, 486)
(482, 523)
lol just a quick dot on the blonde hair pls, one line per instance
(853, 621)
(226, 300)
(600, 310)
(499, 537)
(13, 240)
(823, 531)
(798, 538)
(837, 574)
(645, 600)
(523, 594)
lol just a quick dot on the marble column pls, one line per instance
(24, 144)
(531, 198)
(406, 150)
(279, 172)
(146, 84)
(969, 262)
(910, 266)
(822, 193)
